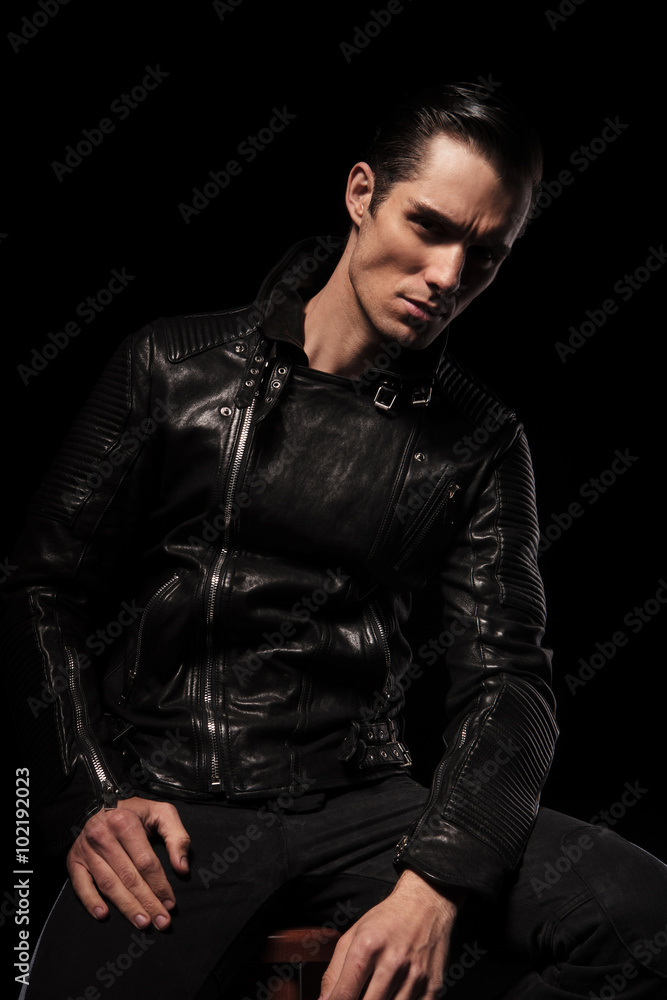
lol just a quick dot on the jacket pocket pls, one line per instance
(150, 615)
(438, 509)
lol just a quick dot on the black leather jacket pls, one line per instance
(216, 573)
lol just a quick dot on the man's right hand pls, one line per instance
(113, 854)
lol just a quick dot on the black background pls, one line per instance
(227, 72)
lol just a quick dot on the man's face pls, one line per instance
(433, 244)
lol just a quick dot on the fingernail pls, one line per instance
(99, 912)
(184, 861)
(161, 922)
(141, 920)
(168, 904)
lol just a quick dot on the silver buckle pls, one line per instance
(385, 397)
(422, 395)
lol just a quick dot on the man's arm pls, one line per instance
(500, 740)
(76, 542)
(501, 729)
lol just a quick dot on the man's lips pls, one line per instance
(424, 310)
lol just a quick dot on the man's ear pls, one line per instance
(359, 191)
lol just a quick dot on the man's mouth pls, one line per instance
(425, 311)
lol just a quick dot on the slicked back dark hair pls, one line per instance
(489, 124)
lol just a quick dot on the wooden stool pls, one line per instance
(294, 960)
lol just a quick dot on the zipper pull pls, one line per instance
(400, 847)
(109, 795)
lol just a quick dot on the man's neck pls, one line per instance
(337, 336)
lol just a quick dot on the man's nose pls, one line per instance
(445, 268)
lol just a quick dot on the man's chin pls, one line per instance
(420, 335)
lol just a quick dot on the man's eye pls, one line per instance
(427, 224)
(484, 254)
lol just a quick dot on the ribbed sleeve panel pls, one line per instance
(518, 577)
(95, 431)
(496, 792)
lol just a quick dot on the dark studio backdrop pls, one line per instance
(169, 96)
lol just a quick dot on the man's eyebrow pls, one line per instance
(435, 215)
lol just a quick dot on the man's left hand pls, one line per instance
(399, 948)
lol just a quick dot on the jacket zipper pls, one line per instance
(213, 586)
(384, 643)
(435, 785)
(415, 538)
(148, 610)
(91, 754)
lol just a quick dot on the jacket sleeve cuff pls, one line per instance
(451, 856)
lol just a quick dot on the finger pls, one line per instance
(335, 967)
(102, 877)
(86, 890)
(115, 850)
(348, 971)
(135, 862)
(176, 838)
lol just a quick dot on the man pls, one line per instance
(213, 592)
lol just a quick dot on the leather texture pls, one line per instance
(216, 574)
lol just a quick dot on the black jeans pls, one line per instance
(585, 914)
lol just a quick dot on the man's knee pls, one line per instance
(627, 889)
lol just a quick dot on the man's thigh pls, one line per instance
(585, 909)
(232, 873)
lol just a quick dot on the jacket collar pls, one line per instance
(302, 271)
